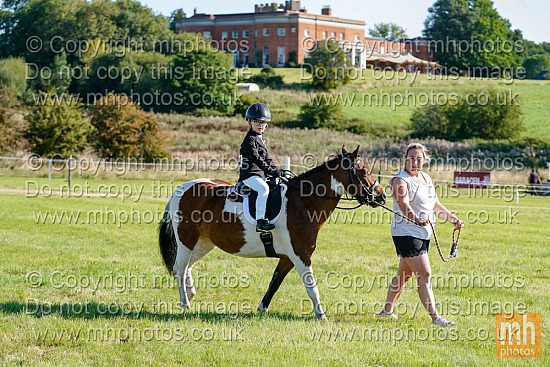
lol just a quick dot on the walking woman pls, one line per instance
(414, 196)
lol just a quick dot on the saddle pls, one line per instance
(274, 201)
(277, 191)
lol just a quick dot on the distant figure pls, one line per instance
(534, 178)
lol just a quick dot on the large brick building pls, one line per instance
(275, 33)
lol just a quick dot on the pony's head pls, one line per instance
(358, 181)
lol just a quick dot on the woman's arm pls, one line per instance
(445, 214)
(401, 196)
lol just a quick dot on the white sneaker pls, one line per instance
(390, 315)
(442, 322)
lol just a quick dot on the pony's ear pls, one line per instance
(355, 153)
(344, 150)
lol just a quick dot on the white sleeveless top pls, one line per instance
(422, 199)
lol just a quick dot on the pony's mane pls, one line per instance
(315, 169)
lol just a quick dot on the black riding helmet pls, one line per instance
(259, 112)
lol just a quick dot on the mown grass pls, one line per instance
(502, 267)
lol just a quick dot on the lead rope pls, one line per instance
(454, 247)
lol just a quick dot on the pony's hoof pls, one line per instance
(321, 318)
(185, 305)
(261, 308)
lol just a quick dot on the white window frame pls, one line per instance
(293, 30)
(265, 32)
(225, 35)
(281, 62)
(281, 32)
(206, 34)
(234, 34)
(306, 32)
(324, 35)
(246, 33)
(342, 36)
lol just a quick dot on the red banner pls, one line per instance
(464, 180)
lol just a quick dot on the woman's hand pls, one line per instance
(457, 223)
(422, 221)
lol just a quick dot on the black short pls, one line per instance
(409, 246)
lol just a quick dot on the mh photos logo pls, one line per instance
(518, 335)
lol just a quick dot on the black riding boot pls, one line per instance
(263, 225)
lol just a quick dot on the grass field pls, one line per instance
(369, 85)
(97, 293)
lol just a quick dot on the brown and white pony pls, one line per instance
(201, 215)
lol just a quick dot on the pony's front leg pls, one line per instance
(306, 273)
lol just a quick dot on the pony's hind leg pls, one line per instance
(185, 245)
(180, 265)
(202, 248)
(284, 266)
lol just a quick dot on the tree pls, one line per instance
(11, 125)
(491, 31)
(175, 16)
(329, 65)
(471, 34)
(321, 115)
(535, 64)
(57, 126)
(13, 76)
(203, 81)
(451, 20)
(146, 76)
(123, 130)
(388, 31)
(485, 114)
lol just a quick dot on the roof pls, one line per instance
(399, 59)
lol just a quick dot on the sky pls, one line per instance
(531, 16)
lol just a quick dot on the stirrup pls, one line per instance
(263, 225)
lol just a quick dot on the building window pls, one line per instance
(324, 34)
(281, 56)
(356, 37)
(281, 31)
(255, 33)
(293, 30)
(206, 34)
(333, 34)
(266, 32)
(341, 36)
(265, 58)
(246, 34)
(306, 32)
(430, 53)
(381, 49)
(224, 35)
(235, 34)
(245, 58)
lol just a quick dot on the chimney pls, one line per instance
(326, 10)
(195, 11)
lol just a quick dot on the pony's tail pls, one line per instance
(167, 241)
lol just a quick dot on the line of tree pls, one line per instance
(472, 35)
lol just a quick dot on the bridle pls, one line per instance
(351, 168)
(369, 198)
